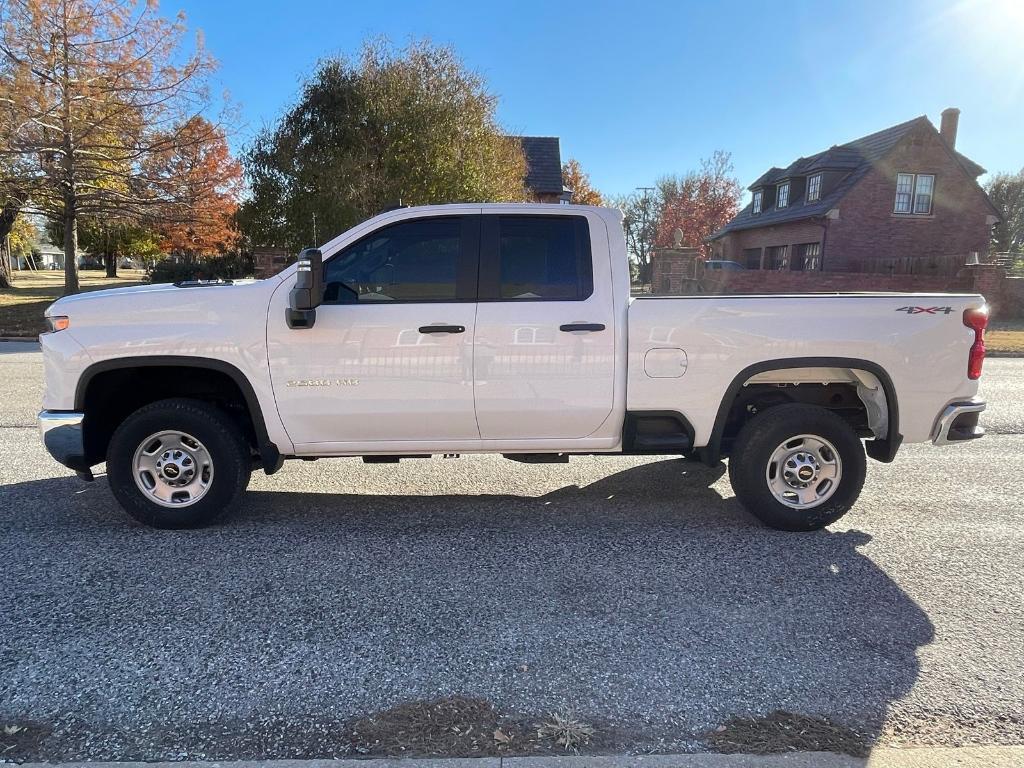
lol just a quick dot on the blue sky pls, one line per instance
(637, 90)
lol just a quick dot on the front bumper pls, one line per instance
(62, 435)
(959, 422)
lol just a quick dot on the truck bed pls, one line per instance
(917, 340)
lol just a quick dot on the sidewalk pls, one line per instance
(920, 757)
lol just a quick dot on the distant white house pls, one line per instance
(45, 255)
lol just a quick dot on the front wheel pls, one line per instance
(797, 467)
(177, 463)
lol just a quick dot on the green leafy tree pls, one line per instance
(113, 240)
(18, 240)
(1006, 191)
(410, 125)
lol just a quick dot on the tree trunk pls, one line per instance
(5, 266)
(7, 216)
(70, 247)
(111, 264)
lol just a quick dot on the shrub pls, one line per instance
(231, 266)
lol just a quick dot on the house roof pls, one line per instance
(855, 158)
(543, 163)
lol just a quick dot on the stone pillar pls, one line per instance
(675, 271)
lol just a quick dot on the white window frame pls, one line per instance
(930, 193)
(911, 183)
(778, 195)
(783, 252)
(904, 190)
(815, 196)
(757, 202)
(814, 258)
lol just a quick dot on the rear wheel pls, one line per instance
(177, 464)
(797, 467)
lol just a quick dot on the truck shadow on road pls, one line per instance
(644, 600)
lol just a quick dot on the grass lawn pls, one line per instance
(1005, 337)
(21, 307)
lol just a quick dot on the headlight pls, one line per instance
(57, 323)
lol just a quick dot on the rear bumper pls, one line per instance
(62, 435)
(959, 422)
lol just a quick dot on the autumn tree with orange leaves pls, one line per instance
(98, 109)
(578, 182)
(698, 203)
(202, 178)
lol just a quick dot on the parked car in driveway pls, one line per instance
(497, 329)
(723, 265)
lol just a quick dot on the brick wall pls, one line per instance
(672, 271)
(751, 281)
(1004, 295)
(1013, 297)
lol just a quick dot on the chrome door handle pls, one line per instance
(442, 329)
(570, 327)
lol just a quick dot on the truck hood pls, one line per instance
(142, 293)
(159, 311)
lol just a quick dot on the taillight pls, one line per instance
(977, 320)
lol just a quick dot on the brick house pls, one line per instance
(899, 201)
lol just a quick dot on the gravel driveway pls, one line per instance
(634, 592)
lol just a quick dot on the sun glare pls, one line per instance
(991, 33)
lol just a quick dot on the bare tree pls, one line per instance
(639, 223)
(92, 94)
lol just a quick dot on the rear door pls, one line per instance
(545, 336)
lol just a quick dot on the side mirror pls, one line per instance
(308, 292)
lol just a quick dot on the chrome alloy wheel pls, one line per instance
(172, 468)
(804, 471)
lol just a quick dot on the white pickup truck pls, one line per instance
(497, 329)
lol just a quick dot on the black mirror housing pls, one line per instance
(308, 292)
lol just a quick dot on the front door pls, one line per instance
(545, 329)
(390, 357)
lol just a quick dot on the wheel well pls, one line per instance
(110, 396)
(841, 398)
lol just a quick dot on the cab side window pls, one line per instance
(411, 261)
(536, 258)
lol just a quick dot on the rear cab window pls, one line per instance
(535, 258)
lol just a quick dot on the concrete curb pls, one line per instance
(917, 757)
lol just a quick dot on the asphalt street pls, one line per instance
(634, 592)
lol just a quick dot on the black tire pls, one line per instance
(216, 433)
(751, 456)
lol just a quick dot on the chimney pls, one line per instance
(950, 120)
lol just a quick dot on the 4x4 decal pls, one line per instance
(925, 310)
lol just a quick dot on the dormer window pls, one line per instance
(814, 188)
(782, 197)
(758, 198)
